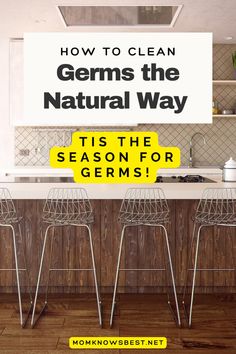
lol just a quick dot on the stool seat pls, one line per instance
(215, 219)
(217, 206)
(144, 206)
(10, 219)
(144, 218)
(8, 213)
(68, 206)
(68, 219)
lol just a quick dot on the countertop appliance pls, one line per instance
(184, 179)
(229, 171)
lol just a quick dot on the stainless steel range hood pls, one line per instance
(162, 16)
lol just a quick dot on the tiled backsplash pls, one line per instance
(32, 144)
(220, 141)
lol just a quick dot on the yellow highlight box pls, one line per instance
(118, 343)
(115, 157)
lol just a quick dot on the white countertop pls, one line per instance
(36, 171)
(26, 190)
(64, 172)
(114, 191)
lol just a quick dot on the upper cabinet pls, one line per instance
(16, 82)
(16, 72)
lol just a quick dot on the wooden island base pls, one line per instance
(143, 249)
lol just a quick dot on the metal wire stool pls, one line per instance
(147, 207)
(66, 207)
(10, 219)
(217, 207)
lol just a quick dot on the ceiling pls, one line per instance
(217, 16)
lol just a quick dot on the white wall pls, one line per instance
(6, 131)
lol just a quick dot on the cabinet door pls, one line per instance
(16, 82)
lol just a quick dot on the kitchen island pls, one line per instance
(142, 245)
(37, 183)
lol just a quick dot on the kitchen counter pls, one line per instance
(42, 171)
(36, 171)
(38, 187)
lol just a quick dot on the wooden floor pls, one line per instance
(213, 332)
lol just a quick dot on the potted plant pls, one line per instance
(234, 63)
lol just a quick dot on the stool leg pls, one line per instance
(39, 277)
(194, 276)
(25, 262)
(117, 275)
(17, 274)
(27, 275)
(172, 275)
(95, 276)
(49, 264)
(188, 263)
(187, 273)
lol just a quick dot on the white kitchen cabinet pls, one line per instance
(16, 89)
(16, 57)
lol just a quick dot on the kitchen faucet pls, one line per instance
(191, 147)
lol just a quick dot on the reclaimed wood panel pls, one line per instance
(143, 248)
(132, 254)
(110, 239)
(206, 257)
(184, 211)
(6, 258)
